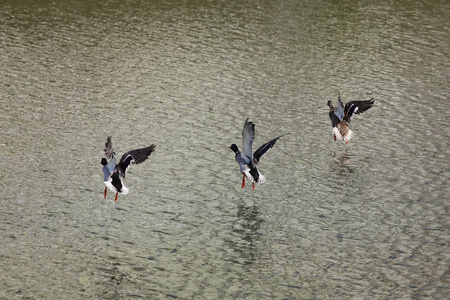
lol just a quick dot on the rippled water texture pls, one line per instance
(367, 220)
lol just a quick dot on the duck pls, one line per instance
(114, 174)
(342, 116)
(248, 160)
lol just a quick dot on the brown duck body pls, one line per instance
(342, 131)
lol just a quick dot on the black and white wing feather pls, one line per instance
(134, 157)
(264, 148)
(356, 107)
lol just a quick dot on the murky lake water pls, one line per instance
(365, 220)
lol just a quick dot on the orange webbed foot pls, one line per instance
(105, 192)
(116, 196)
(253, 184)
(243, 181)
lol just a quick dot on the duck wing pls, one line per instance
(248, 135)
(134, 157)
(339, 111)
(356, 107)
(109, 168)
(264, 148)
(109, 151)
(332, 114)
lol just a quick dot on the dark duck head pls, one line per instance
(234, 148)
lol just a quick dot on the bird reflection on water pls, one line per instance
(246, 226)
(340, 164)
